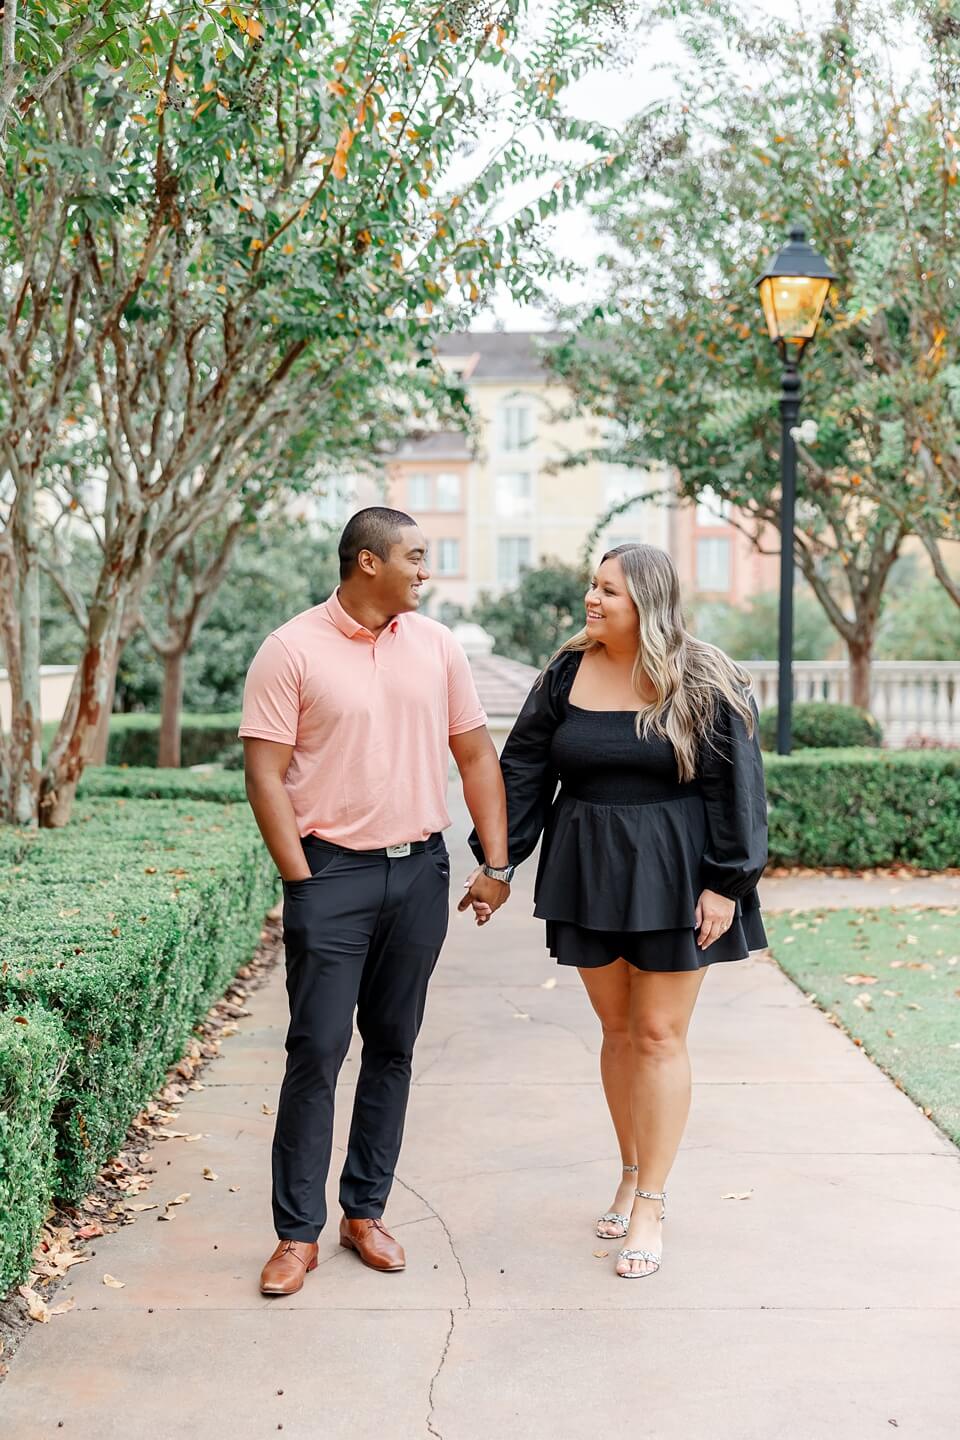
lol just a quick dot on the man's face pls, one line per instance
(404, 571)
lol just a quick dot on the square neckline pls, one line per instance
(584, 709)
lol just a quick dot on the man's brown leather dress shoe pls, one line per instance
(284, 1271)
(373, 1244)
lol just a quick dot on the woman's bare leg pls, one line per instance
(609, 990)
(660, 1009)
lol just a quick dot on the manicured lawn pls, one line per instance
(892, 978)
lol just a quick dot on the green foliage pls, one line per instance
(32, 1044)
(529, 622)
(227, 245)
(276, 571)
(909, 1024)
(864, 808)
(822, 124)
(751, 631)
(134, 739)
(126, 925)
(226, 787)
(919, 624)
(822, 725)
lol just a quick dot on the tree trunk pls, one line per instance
(71, 750)
(98, 755)
(169, 750)
(860, 652)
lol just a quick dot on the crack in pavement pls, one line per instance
(446, 1230)
(554, 1024)
(440, 1054)
(436, 1376)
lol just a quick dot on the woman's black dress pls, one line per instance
(627, 847)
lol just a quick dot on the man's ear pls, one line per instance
(367, 562)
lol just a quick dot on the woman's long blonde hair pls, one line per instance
(689, 676)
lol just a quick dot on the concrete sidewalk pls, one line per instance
(826, 1304)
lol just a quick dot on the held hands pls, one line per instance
(484, 894)
(714, 915)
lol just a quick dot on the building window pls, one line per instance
(713, 564)
(419, 492)
(513, 557)
(448, 491)
(711, 510)
(515, 494)
(621, 484)
(448, 557)
(516, 426)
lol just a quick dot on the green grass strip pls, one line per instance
(892, 978)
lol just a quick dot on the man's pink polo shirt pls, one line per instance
(369, 719)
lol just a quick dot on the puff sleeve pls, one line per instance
(731, 779)
(529, 776)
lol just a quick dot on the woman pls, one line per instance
(652, 850)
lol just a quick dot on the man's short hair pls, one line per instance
(374, 529)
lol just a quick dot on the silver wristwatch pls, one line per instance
(504, 875)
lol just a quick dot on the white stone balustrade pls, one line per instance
(907, 697)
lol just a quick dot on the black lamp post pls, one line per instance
(793, 293)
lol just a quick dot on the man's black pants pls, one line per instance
(363, 932)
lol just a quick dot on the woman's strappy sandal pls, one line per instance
(612, 1218)
(647, 1255)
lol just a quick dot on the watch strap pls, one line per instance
(503, 873)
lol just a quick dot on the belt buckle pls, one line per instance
(398, 852)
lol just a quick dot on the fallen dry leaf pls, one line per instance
(113, 1282)
(190, 1138)
(267, 1110)
(209, 1174)
(860, 979)
(180, 1199)
(88, 1232)
(601, 1254)
(234, 1189)
(66, 1258)
(550, 984)
(737, 1195)
(62, 1306)
(142, 1205)
(36, 1305)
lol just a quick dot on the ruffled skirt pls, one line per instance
(623, 881)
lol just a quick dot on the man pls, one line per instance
(348, 711)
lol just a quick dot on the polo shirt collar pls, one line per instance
(346, 624)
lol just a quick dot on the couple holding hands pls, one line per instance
(653, 846)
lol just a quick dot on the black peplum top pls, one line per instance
(626, 845)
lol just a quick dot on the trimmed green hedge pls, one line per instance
(864, 808)
(145, 783)
(820, 725)
(135, 739)
(127, 924)
(32, 1047)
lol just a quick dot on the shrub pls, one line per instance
(127, 924)
(863, 808)
(822, 725)
(146, 783)
(135, 739)
(32, 1046)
